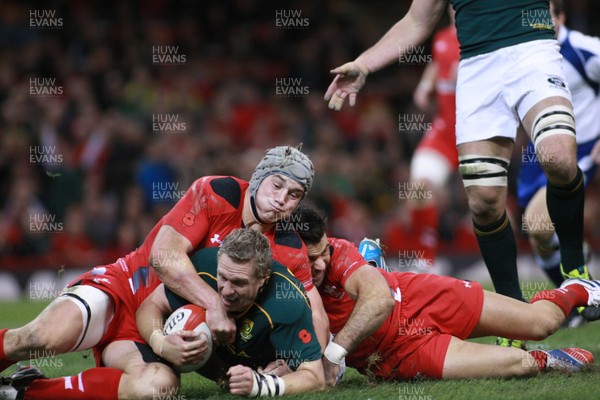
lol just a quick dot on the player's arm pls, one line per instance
(245, 381)
(426, 87)
(410, 31)
(185, 347)
(169, 257)
(319, 317)
(374, 303)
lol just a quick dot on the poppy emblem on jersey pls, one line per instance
(246, 330)
(305, 336)
(189, 219)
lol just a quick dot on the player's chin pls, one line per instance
(318, 280)
(272, 217)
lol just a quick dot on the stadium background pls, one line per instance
(110, 110)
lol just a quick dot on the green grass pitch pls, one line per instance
(584, 385)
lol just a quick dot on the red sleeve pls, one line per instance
(345, 260)
(189, 216)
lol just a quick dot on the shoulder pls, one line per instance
(205, 261)
(345, 259)
(226, 188)
(283, 297)
(343, 250)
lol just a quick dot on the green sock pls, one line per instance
(499, 250)
(565, 206)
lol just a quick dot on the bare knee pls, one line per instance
(487, 203)
(545, 325)
(560, 166)
(155, 382)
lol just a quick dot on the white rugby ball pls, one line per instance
(190, 318)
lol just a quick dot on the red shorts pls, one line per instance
(441, 138)
(433, 310)
(113, 281)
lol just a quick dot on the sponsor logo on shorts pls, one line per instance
(557, 81)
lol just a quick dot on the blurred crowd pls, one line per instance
(110, 110)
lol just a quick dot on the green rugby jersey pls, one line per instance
(277, 326)
(487, 25)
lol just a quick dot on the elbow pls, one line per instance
(321, 386)
(320, 383)
(388, 304)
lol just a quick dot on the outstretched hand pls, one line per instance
(349, 79)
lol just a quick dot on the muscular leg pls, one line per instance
(126, 376)
(47, 332)
(140, 380)
(487, 202)
(506, 317)
(475, 360)
(565, 195)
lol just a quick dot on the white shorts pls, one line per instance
(97, 311)
(494, 91)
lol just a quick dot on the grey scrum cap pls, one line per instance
(284, 160)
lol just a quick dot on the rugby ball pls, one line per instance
(190, 318)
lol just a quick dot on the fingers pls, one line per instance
(337, 100)
(349, 67)
(349, 79)
(332, 88)
(240, 380)
(223, 337)
(189, 336)
(352, 99)
(187, 347)
(221, 326)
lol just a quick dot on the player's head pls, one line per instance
(557, 12)
(313, 235)
(244, 263)
(281, 179)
